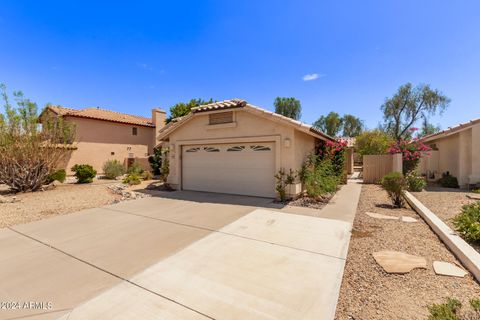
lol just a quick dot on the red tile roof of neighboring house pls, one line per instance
(451, 130)
(102, 114)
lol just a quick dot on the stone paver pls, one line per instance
(399, 262)
(448, 269)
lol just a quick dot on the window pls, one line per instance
(236, 148)
(221, 117)
(210, 149)
(260, 148)
(134, 131)
(193, 150)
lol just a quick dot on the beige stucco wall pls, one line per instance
(458, 153)
(96, 140)
(291, 146)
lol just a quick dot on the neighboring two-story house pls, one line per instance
(102, 135)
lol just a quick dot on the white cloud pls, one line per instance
(312, 76)
(144, 66)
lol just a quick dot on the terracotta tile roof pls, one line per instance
(453, 129)
(225, 104)
(102, 114)
(239, 103)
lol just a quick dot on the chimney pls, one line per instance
(158, 119)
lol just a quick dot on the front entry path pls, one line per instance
(181, 256)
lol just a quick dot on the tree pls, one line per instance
(331, 124)
(352, 126)
(409, 105)
(182, 109)
(288, 107)
(373, 142)
(29, 154)
(428, 129)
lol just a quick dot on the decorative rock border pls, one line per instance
(469, 257)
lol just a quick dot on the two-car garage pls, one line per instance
(240, 168)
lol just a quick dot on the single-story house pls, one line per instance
(102, 135)
(234, 147)
(456, 150)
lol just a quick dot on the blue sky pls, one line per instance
(132, 56)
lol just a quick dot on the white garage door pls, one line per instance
(243, 168)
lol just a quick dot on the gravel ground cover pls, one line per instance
(368, 292)
(444, 202)
(63, 199)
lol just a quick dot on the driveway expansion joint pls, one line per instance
(225, 233)
(108, 272)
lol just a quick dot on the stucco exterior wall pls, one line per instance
(96, 140)
(458, 153)
(291, 147)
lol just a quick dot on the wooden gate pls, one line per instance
(376, 166)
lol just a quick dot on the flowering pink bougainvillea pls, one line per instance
(411, 152)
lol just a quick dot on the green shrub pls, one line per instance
(448, 181)
(84, 173)
(451, 310)
(132, 179)
(476, 191)
(59, 175)
(155, 160)
(320, 179)
(113, 169)
(445, 311)
(467, 222)
(283, 181)
(147, 175)
(394, 183)
(135, 169)
(415, 182)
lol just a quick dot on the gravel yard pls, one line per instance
(368, 292)
(444, 202)
(63, 199)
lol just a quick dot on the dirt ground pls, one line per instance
(368, 292)
(444, 202)
(65, 198)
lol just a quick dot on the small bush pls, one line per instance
(84, 173)
(155, 160)
(476, 191)
(113, 169)
(283, 181)
(59, 175)
(445, 311)
(467, 222)
(452, 310)
(132, 179)
(448, 181)
(320, 179)
(147, 175)
(135, 169)
(394, 183)
(415, 182)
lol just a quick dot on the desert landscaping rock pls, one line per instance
(448, 269)
(65, 198)
(121, 189)
(408, 219)
(380, 216)
(9, 199)
(399, 262)
(370, 293)
(473, 197)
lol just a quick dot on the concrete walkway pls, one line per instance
(173, 258)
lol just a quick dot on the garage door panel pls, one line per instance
(249, 171)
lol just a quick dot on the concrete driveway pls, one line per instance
(179, 256)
